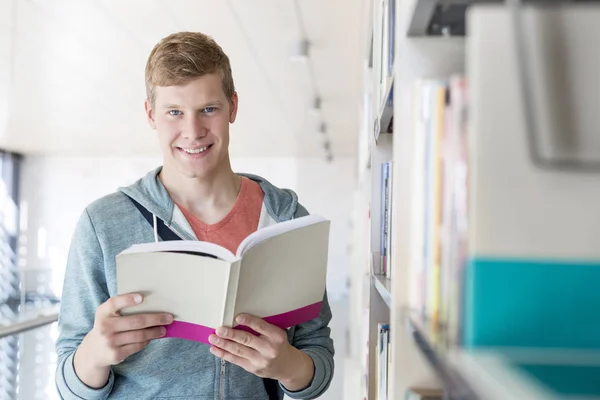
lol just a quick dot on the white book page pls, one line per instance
(192, 288)
(264, 234)
(284, 273)
(183, 245)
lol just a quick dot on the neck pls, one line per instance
(202, 195)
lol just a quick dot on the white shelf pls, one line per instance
(432, 347)
(494, 373)
(420, 355)
(384, 287)
(385, 109)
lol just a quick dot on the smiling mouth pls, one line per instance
(196, 150)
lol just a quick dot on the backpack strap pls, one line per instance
(272, 388)
(163, 230)
(271, 385)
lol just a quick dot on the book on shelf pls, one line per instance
(388, 43)
(383, 361)
(439, 200)
(365, 357)
(424, 394)
(391, 34)
(385, 245)
(383, 75)
(278, 273)
(383, 72)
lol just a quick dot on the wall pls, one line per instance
(55, 189)
(6, 37)
(327, 189)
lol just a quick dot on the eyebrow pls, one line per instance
(209, 104)
(169, 106)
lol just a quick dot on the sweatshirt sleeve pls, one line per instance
(314, 339)
(84, 290)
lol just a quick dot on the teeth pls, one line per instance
(196, 151)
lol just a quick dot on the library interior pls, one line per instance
(451, 146)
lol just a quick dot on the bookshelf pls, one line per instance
(462, 240)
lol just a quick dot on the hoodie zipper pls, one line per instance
(221, 379)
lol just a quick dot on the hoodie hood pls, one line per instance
(281, 204)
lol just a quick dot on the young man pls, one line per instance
(190, 103)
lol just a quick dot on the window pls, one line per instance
(9, 275)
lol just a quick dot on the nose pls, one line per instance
(195, 128)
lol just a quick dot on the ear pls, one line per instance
(150, 114)
(233, 107)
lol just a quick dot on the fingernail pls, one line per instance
(163, 331)
(221, 331)
(213, 339)
(169, 319)
(240, 320)
(137, 298)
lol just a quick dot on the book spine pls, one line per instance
(388, 271)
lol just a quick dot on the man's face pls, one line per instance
(192, 123)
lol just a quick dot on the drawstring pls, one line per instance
(154, 223)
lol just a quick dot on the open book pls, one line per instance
(278, 273)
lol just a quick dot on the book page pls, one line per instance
(261, 235)
(183, 246)
(192, 288)
(285, 273)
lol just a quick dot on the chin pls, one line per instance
(194, 173)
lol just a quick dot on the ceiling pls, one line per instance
(76, 84)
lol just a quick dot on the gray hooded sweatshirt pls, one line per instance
(167, 368)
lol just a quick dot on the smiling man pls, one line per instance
(191, 101)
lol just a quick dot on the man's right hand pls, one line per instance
(114, 338)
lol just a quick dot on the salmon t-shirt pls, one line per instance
(240, 222)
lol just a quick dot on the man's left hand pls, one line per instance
(268, 355)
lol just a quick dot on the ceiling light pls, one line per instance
(316, 103)
(315, 107)
(301, 50)
(323, 128)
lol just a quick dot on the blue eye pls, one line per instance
(209, 110)
(175, 112)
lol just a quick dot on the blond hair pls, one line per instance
(184, 56)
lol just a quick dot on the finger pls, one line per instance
(258, 324)
(128, 350)
(244, 338)
(140, 321)
(112, 306)
(232, 358)
(139, 336)
(234, 348)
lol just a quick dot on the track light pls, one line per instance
(323, 128)
(316, 106)
(301, 51)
